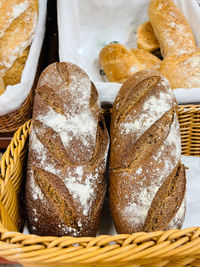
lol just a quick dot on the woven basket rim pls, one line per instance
(174, 243)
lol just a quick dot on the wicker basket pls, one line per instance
(12, 121)
(162, 248)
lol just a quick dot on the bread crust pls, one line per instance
(182, 71)
(18, 20)
(68, 146)
(146, 38)
(145, 168)
(171, 28)
(120, 62)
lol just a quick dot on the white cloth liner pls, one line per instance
(85, 27)
(15, 95)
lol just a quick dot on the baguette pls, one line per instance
(68, 146)
(147, 179)
(171, 28)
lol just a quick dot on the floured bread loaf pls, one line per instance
(120, 62)
(67, 154)
(147, 179)
(171, 28)
(17, 26)
(182, 71)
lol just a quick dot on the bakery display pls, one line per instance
(120, 62)
(146, 38)
(182, 71)
(147, 179)
(171, 28)
(17, 27)
(67, 155)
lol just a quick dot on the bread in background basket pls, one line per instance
(67, 155)
(181, 62)
(17, 28)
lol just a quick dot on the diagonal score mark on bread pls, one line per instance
(50, 189)
(167, 200)
(46, 94)
(148, 143)
(131, 97)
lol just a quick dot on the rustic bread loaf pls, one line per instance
(171, 28)
(68, 146)
(147, 179)
(18, 20)
(146, 38)
(120, 62)
(182, 71)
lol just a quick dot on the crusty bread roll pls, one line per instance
(17, 26)
(182, 71)
(146, 38)
(67, 155)
(147, 179)
(119, 62)
(171, 28)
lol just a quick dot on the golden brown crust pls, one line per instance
(17, 26)
(13, 75)
(171, 28)
(119, 62)
(2, 86)
(145, 151)
(146, 38)
(182, 71)
(67, 155)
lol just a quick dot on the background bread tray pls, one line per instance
(161, 248)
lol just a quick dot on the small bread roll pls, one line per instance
(171, 28)
(146, 38)
(182, 71)
(119, 62)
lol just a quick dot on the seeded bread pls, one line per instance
(147, 179)
(67, 155)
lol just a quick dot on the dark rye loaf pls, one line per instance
(67, 155)
(147, 179)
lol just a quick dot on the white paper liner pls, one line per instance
(15, 95)
(85, 27)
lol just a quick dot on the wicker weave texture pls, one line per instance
(189, 119)
(162, 248)
(12, 121)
